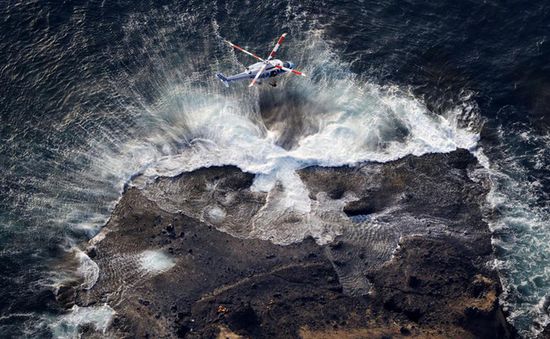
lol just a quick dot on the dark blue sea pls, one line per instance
(96, 93)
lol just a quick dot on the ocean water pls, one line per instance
(99, 95)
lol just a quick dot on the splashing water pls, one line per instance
(155, 262)
(68, 325)
(349, 121)
(334, 117)
(519, 227)
(96, 100)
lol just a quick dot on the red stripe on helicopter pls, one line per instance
(242, 49)
(279, 42)
(292, 70)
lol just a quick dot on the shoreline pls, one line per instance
(434, 282)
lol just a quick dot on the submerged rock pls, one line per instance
(410, 258)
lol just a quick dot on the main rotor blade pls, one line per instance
(279, 42)
(243, 50)
(290, 70)
(258, 74)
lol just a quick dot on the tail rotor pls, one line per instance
(265, 61)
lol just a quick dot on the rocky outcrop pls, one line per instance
(177, 258)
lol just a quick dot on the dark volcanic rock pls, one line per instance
(410, 260)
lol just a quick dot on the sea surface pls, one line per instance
(98, 95)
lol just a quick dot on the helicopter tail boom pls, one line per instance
(223, 79)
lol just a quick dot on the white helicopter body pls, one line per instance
(263, 69)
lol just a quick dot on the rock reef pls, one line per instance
(179, 258)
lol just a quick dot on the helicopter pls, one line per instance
(263, 69)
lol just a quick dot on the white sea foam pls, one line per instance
(155, 262)
(87, 269)
(355, 121)
(520, 232)
(67, 326)
(214, 214)
(189, 127)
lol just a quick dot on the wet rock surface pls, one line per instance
(410, 260)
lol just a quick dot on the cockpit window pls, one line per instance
(286, 64)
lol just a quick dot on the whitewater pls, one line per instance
(346, 120)
(184, 119)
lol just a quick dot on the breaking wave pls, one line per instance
(331, 118)
(157, 110)
(336, 118)
(519, 223)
